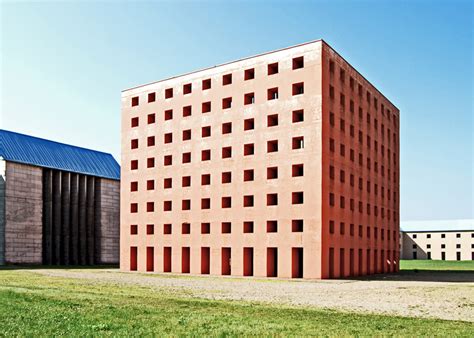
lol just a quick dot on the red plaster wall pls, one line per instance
(315, 184)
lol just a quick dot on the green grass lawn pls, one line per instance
(33, 304)
(437, 265)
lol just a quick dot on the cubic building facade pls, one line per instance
(285, 164)
(450, 240)
(59, 204)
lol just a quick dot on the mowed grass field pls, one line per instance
(33, 304)
(437, 265)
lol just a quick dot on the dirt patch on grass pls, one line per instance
(441, 295)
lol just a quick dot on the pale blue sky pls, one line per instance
(63, 65)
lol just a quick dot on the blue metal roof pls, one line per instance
(39, 152)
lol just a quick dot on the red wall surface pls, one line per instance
(253, 199)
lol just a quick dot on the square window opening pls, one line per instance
(167, 229)
(273, 68)
(206, 84)
(272, 94)
(205, 203)
(297, 225)
(249, 124)
(187, 88)
(168, 114)
(167, 205)
(227, 79)
(298, 88)
(168, 138)
(205, 179)
(272, 226)
(272, 120)
(150, 141)
(150, 162)
(226, 227)
(227, 103)
(226, 152)
(298, 62)
(205, 228)
(226, 202)
(249, 149)
(227, 128)
(150, 229)
(186, 134)
(168, 183)
(297, 170)
(186, 158)
(297, 197)
(272, 146)
(298, 116)
(248, 201)
(187, 111)
(186, 181)
(185, 228)
(249, 74)
(272, 173)
(206, 131)
(248, 175)
(227, 177)
(205, 155)
(249, 98)
(248, 227)
(151, 118)
(206, 107)
(272, 199)
(135, 101)
(297, 142)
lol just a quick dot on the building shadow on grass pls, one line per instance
(58, 267)
(415, 275)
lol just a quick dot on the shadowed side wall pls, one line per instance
(2, 211)
(360, 169)
(109, 208)
(80, 219)
(23, 214)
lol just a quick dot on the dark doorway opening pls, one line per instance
(150, 255)
(272, 262)
(205, 260)
(133, 258)
(297, 262)
(185, 260)
(226, 261)
(167, 259)
(248, 261)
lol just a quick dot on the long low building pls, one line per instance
(59, 204)
(438, 240)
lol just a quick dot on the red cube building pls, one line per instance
(284, 164)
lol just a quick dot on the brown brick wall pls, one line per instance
(109, 221)
(23, 211)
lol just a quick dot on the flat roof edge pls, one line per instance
(224, 64)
